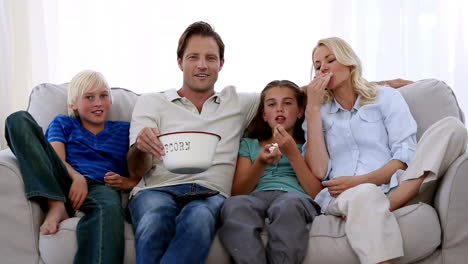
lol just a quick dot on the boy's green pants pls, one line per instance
(100, 233)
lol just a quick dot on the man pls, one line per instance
(166, 229)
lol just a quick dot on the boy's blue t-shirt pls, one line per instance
(280, 176)
(92, 155)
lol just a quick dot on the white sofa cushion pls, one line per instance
(429, 101)
(60, 248)
(419, 223)
(327, 234)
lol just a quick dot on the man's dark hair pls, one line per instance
(202, 29)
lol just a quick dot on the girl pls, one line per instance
(78, 165)
(360, 136)
(270, 167)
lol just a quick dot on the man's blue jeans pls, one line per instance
(170, 232)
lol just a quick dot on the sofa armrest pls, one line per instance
(451, 203)
(19, 218)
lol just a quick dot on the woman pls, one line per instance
(360, 136)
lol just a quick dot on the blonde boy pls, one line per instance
(79, 164)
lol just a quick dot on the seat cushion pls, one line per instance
(61, 247)
(328, 235)
(419, 225)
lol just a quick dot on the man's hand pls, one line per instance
(148, 142)
(395, 83)
(338, 185)
(118, 182)
(78, 192)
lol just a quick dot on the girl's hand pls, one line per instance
(78, 192)
(316, 89)
(269, 157)
(338, 185)
(286, 142)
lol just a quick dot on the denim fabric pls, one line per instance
(44, 174)
(100, 231)
(170, 232)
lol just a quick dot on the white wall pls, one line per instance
(134, 42)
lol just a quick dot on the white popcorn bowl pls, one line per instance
(189, 152)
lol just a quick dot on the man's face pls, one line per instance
(200, 63)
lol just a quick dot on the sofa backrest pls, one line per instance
(429, 101)
(48, 100)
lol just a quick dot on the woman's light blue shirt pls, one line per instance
(367, 137)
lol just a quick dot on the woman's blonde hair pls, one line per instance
(82, 83)
(345, 55)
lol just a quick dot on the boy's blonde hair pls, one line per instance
(81, 83)
(345, 55)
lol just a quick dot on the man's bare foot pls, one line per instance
(55, 215)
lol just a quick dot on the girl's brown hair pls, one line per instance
(260, 129)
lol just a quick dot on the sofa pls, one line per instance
(432, 233)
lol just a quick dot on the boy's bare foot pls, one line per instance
(55, 215)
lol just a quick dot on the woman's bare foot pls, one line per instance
(55, 215)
